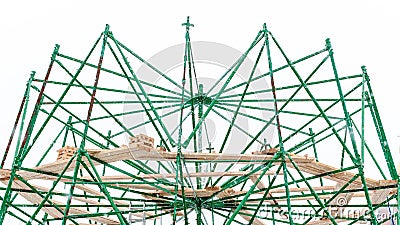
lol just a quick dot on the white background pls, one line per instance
(362, 33)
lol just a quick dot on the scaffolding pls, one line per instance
(312, 146)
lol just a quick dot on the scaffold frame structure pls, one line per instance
(96, 142)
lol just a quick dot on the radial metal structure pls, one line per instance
(297, 143)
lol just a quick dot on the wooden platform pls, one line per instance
(143, 152)
(142, 148)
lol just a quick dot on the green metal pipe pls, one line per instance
(214, 101)
(120, 75)
(312, 97)
(63, 94)
(276, 70)
(104, 88)
(16, 160)
(379, 127)
(296, 85)
(138, 83)
(351, 131)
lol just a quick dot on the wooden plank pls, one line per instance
(100, 219)
(34, 198)
(189, 192)
(5, 174)
(107, 205)
(142, 152)
(378, 196)
(260, 185)
(178, 212)
(139, 153)
(266, 151)
(108, 156)
(53, 212)
(317, 168)
(173, 175)
(200, 193)
(304, 189)
(97, 193)
(342, 199)
(231, 192)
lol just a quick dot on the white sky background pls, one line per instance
(362, 33)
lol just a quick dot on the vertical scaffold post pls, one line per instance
(24, 99)
(278, 125)
(15, 163)
(379, 127)
(358, 162)
(199, 134)
(24, 146)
